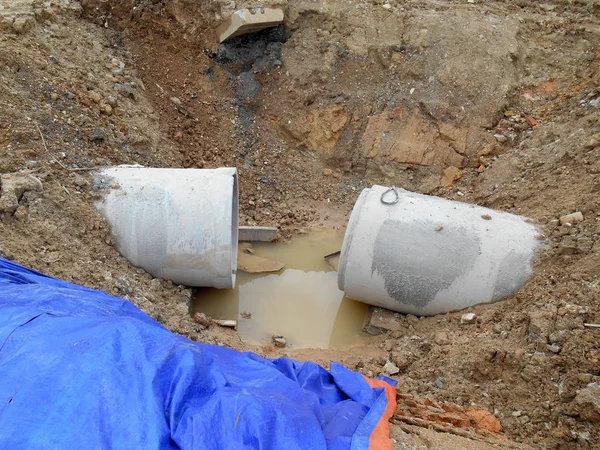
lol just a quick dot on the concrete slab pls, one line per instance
(245, 21)
(257, 234)
(381, 321)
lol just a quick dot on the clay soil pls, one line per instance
(490, 102)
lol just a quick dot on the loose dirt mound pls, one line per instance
(496, 103)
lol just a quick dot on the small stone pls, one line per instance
(327, 172)
(588, 403)
(98, 135)
(390, 368)
(94, 96)
(279, 341)
(54, 96)
(441, 338)
(106, 109)
(20, 213)
(481, 169)
(202, 320)
(438, 228)
(112, 101)
(451, 175)
(554, 348)
(5, 253)
(439, 383)
(23, 24)
(124, 285)
(486, 217)
(572, 218)
(33, 164)
(500, 138)
(468, 318)
(531, 121)
(117, 66)
(126, 91)
(593, 142)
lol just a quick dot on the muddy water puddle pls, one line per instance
(301, 302)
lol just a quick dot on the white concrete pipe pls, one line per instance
(177, 224)
(426, 255)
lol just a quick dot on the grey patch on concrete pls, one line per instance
(513, 272)
(431, 262)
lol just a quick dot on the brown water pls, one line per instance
(302, 302)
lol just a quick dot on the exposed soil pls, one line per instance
(494, 103)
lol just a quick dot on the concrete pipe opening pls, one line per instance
(424, 255)
(177, 224)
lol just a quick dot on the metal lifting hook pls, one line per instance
(393, 202)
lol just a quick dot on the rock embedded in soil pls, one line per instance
(468, 318)
(587, 403)
(202, 320)
(441, 338)
(390, 368)
(572, 218)
(14, 185)
(451, 175)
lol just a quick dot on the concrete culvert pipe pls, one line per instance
(177, 224)
(425, 255)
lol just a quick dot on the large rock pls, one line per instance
(14, 185)
(587, 403)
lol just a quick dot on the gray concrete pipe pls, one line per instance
(177, 224)
(426, 255)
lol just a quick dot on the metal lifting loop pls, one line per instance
(393, 202)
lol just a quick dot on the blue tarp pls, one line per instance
(82, 369)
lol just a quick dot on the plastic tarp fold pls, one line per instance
(82, 369)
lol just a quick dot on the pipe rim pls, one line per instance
(348, 236)
(235, 222)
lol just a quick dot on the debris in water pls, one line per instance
(257, 234)
(257, 264)
(227, 323)
(333, 259)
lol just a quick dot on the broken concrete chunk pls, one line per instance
(381, 321)
(575, 217)
(390, 368)
(257, 234)
(468, 318)
(256, 264)
(245, 21)
(14, 185)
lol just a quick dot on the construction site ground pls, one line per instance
(490, 102)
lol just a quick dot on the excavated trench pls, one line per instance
(488, 103)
